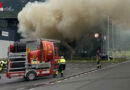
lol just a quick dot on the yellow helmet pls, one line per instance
(62, 56)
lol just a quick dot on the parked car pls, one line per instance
(104, 56)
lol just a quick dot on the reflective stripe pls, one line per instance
(1, 65)
(44, 72)
(62, 61)
(0, 69)
(62, 71)
(99, 65)
(56, 72)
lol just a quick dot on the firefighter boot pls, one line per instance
(54, 75)
(100, 66)
(62, 75)
(97, 67)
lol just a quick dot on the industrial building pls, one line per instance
(8, 31)
(8, 23)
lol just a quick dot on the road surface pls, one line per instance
(19, 83)
(114, 77)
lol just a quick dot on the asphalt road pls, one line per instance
(114, 77)
(21, 84)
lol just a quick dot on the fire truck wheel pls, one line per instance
(31, 75)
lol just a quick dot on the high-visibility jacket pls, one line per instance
(4, 62)
(0, 69)
(62, 61)
(1, 66)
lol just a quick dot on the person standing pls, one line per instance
(1, 66)
(62, 66)
(98, 59)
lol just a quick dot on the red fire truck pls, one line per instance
(32, 58)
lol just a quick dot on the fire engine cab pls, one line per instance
(32, 58)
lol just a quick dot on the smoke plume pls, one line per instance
(70, 19)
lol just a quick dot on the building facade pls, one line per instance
(9, 23)
(8, 26)
(8, 31)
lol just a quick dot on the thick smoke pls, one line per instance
(70, 19)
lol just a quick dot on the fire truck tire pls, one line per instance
(31, 75)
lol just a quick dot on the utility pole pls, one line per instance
(108, 32)
(113, 47)
(108, 37)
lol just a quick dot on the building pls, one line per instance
(8, 23)
(8, 26)
(8, 31)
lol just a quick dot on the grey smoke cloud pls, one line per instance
(69, 19)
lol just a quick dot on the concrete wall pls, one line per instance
(4, 48)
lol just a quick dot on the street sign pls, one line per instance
(4, 33)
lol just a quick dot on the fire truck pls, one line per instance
(32, 58)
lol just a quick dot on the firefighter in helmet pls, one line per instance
(1, 66)
(98, 59)
(62, 65)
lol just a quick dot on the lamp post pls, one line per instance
(108, 32)
(113, 47)
(96, 35)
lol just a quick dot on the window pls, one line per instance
(12, 23)
(3, 23)
(0, 33)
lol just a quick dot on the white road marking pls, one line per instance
(20, 89)
(52, 83)
(32, 89)
(71, 77)
(65, 79)
(58, 81)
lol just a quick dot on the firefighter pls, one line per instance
(4, 64)
(62, 65)
(1, 66)
(98, 59)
